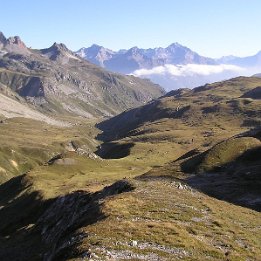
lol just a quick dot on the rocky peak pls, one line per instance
(97, 50)
(81, 52)
(59, 47)
(16, 40)
(96, 47)
(14, 44)
(59, 51)
(135, 51)
(175, 47)
(2, 39)
(96, 54)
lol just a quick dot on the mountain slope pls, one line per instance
(257, 75)
(56, 81)
(224, 104)
(211, 129)
(11, 108)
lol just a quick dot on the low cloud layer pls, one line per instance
(189, 70)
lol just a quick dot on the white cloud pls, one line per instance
(189, 70)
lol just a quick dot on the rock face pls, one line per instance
(56, 81)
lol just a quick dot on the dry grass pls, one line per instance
(174, 224)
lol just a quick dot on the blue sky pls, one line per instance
(210, 27)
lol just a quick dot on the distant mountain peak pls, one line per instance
(59, 46)
(96, 54)
(59, 51)
(226, 59)
(134, 50)
(94, 49)
(16, 40)
(97, 46)
(176, 44)
(13, 44)
(2, 38)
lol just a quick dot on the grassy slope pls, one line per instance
(212, 106)
(167, 221)
(174, 224)
(26, 143)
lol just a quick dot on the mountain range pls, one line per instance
(127, 61)
(249, 61)
(173, 67)
(55, 81)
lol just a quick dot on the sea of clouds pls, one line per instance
(172, 77)
(189, 70)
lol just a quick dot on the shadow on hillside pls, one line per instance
(125, 123)
(35, 229)
(238, 182)
(20, 209)
(114, 150)
(237, 189)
